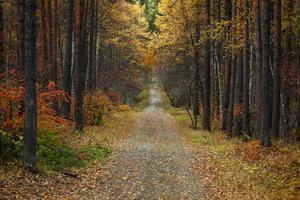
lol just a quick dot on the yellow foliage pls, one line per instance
(96, 106)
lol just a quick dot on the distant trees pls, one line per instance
(248, 65)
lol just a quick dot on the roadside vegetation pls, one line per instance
(240, 169)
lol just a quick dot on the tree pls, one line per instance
(80, 66)
(277, 63)
(207, 75)
(258, 60)
(2, 56)
(30, 125)
(246, 68)
(21, 33)
(227, 79)
(67, 82)
(266, 101)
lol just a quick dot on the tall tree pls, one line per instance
(258, 60)
(196, 76)
(2, 56)
(277, 63)
(227, 79)
(21, 33)
(30, 125)
(266, 100)
(246, 68)
(67, 81)
(80, 66)
(207, 75)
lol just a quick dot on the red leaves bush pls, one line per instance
(12, 106)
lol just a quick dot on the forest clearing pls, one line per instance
(150, 99)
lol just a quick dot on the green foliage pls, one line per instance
(142, 99)
(150, 12)
(54, 156)
(92, 153)
(10, 147)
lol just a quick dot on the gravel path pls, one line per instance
(154, 163)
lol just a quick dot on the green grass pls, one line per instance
(142, 99)
(55, 155)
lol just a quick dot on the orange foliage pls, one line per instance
(96, 105)
(253, 151)
(12, 106)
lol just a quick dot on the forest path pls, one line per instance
(153, 163)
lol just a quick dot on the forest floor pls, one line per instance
(156, 155)
(235, 169)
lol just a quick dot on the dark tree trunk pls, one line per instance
(50, 36)
(80, 67)
(258, 59)
(288, 56)
(68, 60)
(21, 34)
(207, 76)
(231, 99)
(55, 43)
(45, 42)
(266, 100)
(2, 56)
(30, 125)
(239, 96)
(277, 63)
(196, 76)
(246, 68)
(228, 16)
(91, 66)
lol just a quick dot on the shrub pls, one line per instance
(53, 155)
(114, 97)
(12, 106)
(123, 108)
(10, 147)
(96, 106)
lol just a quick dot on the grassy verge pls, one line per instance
(72, 152)
(142, 99)
(240, 170)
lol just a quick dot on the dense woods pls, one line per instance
(75, 75)
(66, 61)
(235, 61)
(80, 79)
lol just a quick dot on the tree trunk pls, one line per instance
(2, 55)
(80, 67)
(227, 79)
(50, 37)
(91, 66)
(207, 76)
(266, 100)
(258, 58)
(231, 99)
(68, 60)
(21, 34)
(277, 63)
(246, 68)
(30, 125)
(45, 42)
(239, 82)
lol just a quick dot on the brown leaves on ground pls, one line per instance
(18, 184)
(15, 183)
(237, 170)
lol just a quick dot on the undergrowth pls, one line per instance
(244, 170)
